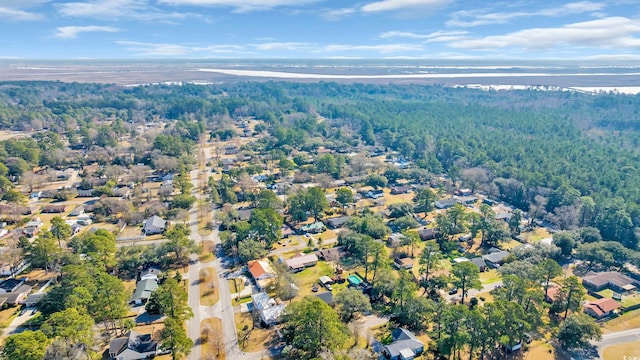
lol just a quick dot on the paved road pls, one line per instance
(620, 337)
(193, 325)
(16, 324)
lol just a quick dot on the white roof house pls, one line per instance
(154, 225)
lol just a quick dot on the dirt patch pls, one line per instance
(623, 351)
(250, 337)
(208, 249)
(212, 339)
(208, 282)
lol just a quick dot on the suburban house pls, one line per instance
(463, 192)
(601, 308)
(154, 225)
(143, 291)
(313, 228)
(403, 189)
(299, 263)
(34, 223)
(262, 272)
(54, 209)
(150, 273)
(403, 264)
(286, 231)
(337, 222)
(504, 216)
(18, 295)
(77, 211)
(134, 346)
(405, 345)
(427, 234)
(327, 297)
(479, 261)
(610, 279)
(395, 239)
(85, 193)
(267, 309)
(446, 203)
(10, 285)
(244, 214)
(552, 294)
(496, 259)
(467, 200)
(374, 194)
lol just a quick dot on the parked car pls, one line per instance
(453, 291)
(33, 312)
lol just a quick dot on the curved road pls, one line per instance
(616, 338)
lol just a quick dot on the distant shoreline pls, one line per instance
(544, 76)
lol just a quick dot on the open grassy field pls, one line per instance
(212, 339)
(490, 277)
(208, 282)
(622, 351)
(251, 338)
(627, 321)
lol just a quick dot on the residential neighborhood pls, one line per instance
(217, 243)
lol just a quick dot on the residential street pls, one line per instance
(616, 338)
(224, 308)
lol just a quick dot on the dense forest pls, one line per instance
(567, 157)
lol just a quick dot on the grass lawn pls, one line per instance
(490, 277)
(205, 218)
(627, 300)
(627, 321)
(7, 316)
(208, 280)
(207, 251)
(38, 277)
(486, 296)
(306, 278)
(536, 235)
(250, 337)
(622, 351)
(235, 285)
(540, 350)
(212, 338)
(511, 245)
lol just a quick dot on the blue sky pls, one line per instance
(435, 29)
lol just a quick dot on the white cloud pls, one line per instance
(288, 46)
(18, 15)
(613, 32)
(337, 14)
(472, 18)
(382, 48)
(391, 5)
(436, 36)
(16, 10)
(164, 49)
(72, 32)
(241, 5)
(119, 10)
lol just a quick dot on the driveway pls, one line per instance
(473, 292)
